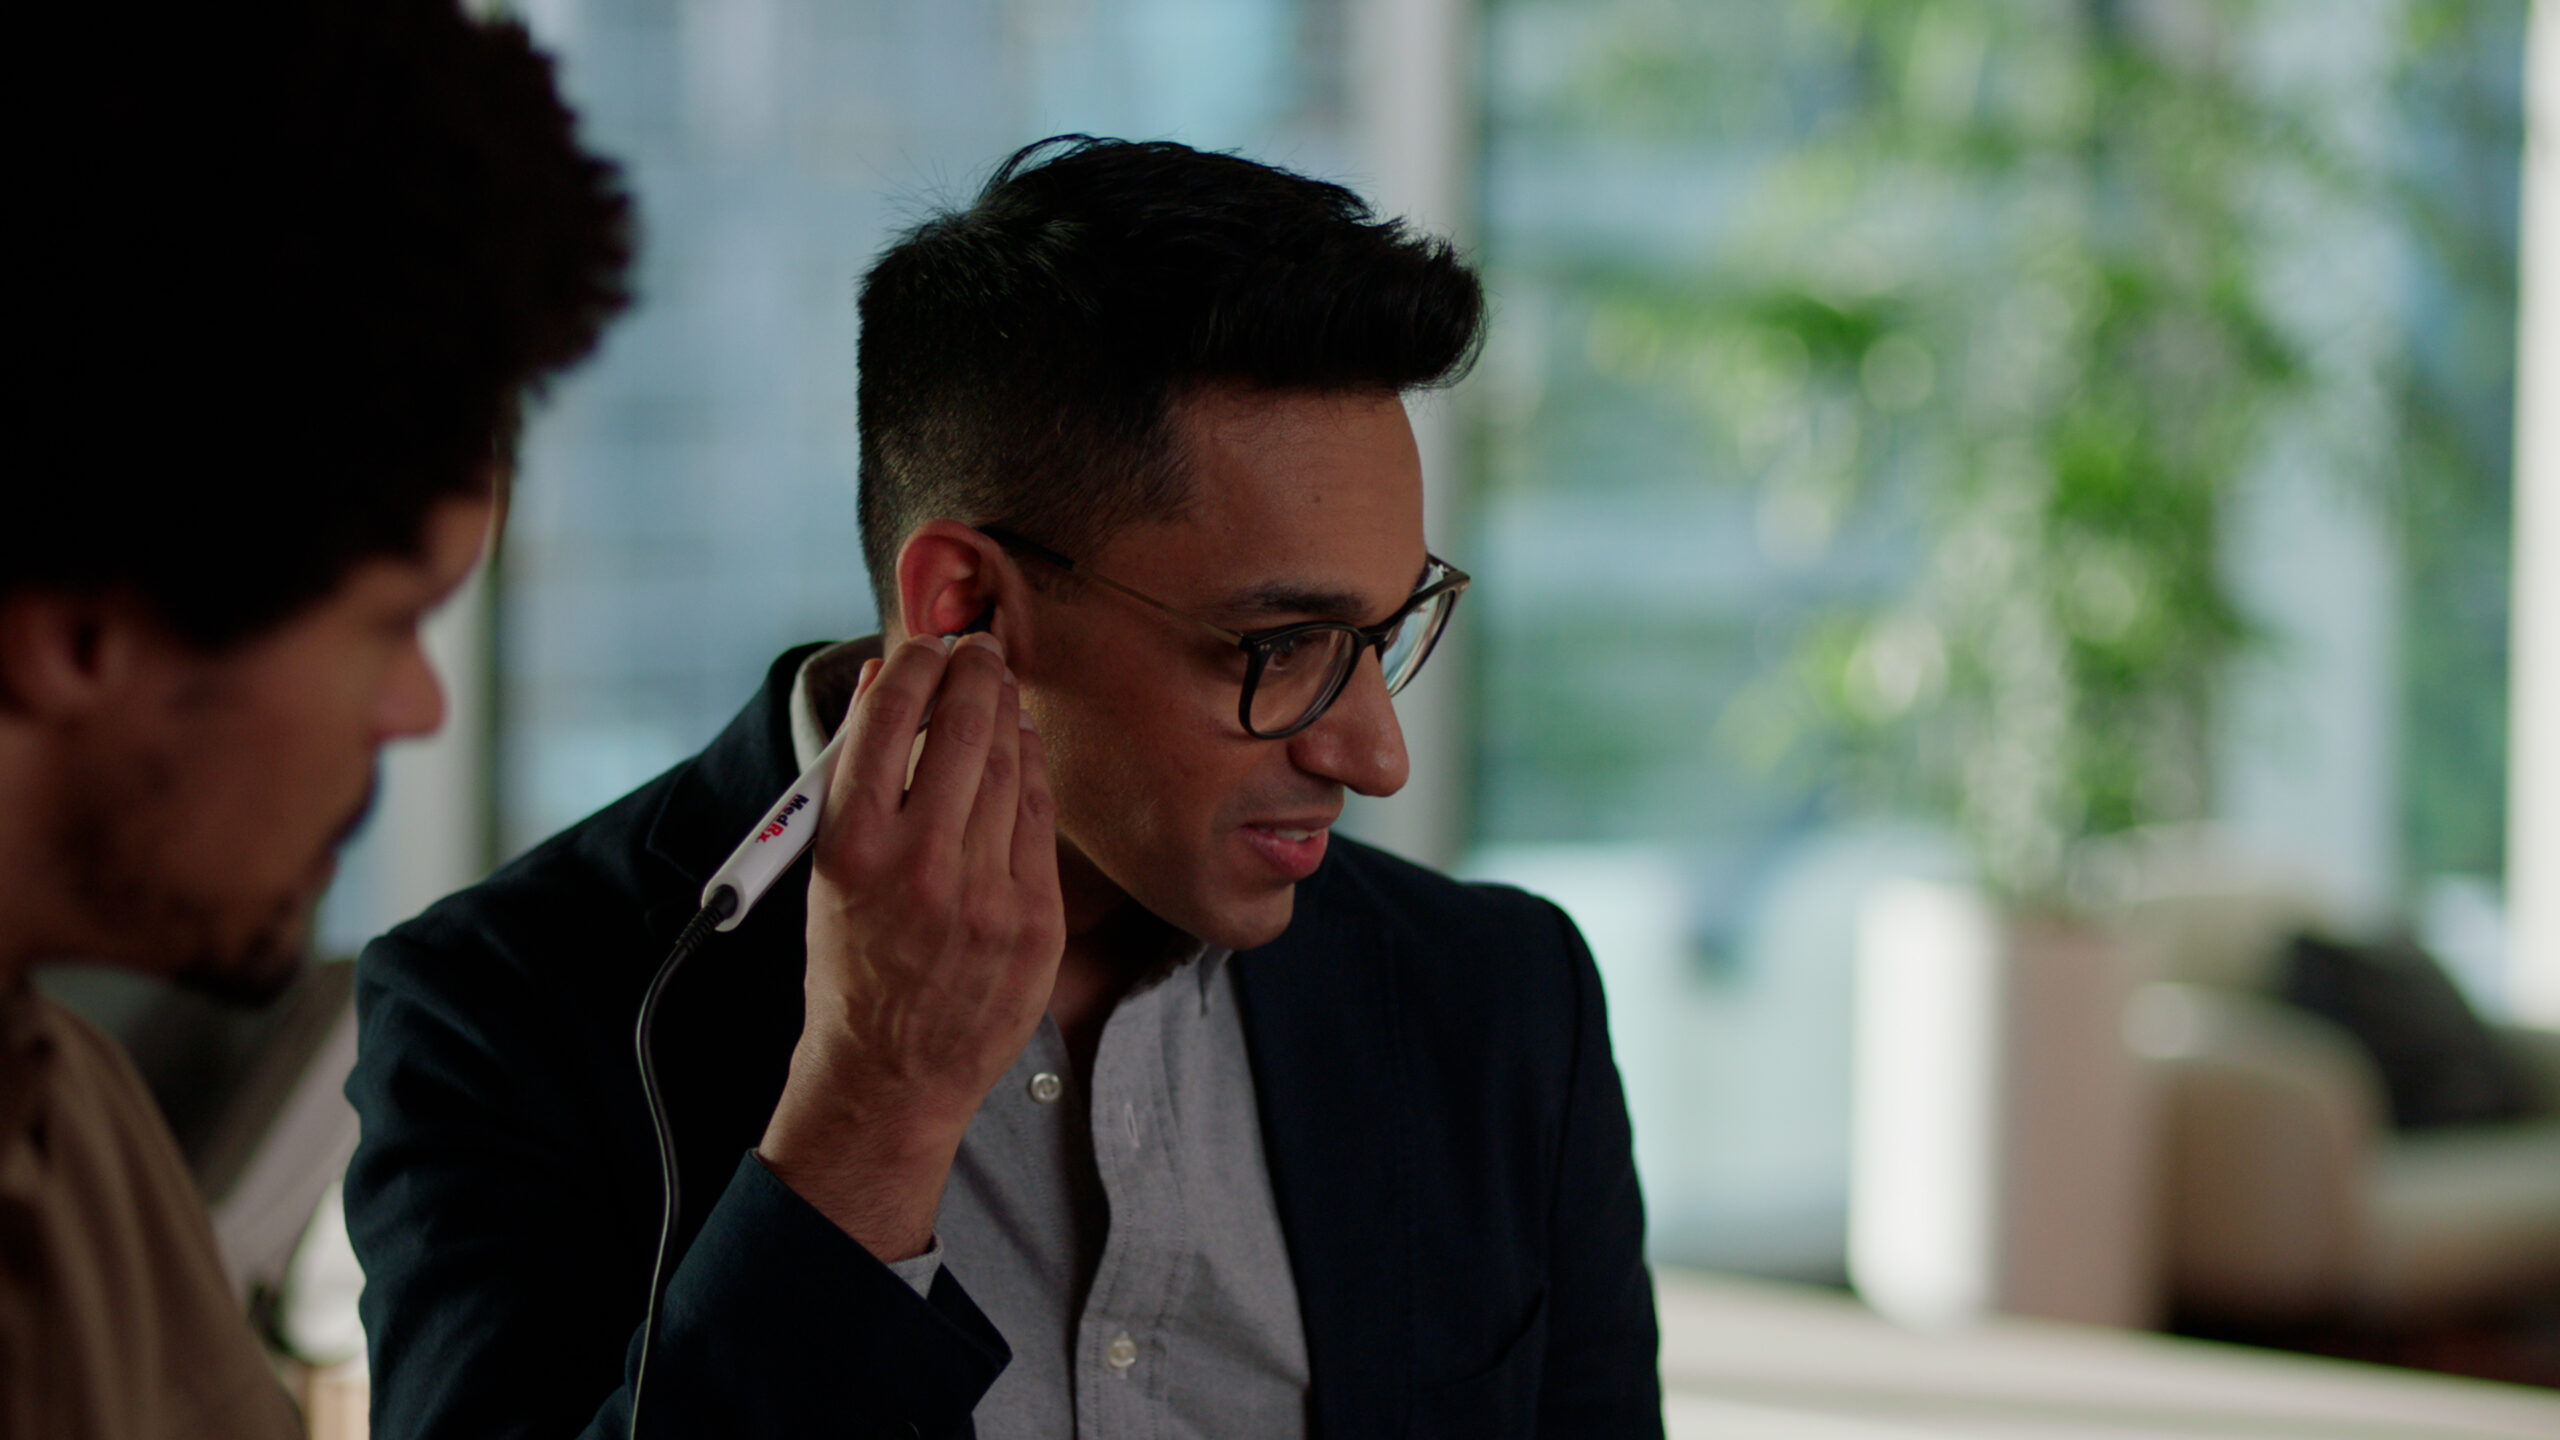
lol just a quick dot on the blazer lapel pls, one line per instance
(1320, 1018)
(722, 790)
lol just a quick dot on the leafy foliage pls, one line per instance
(1992, 272)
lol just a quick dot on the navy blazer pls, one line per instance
(1442, 1118)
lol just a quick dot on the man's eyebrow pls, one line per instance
(1282, 597)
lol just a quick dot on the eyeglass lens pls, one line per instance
(1412, 642)
(1302, 674)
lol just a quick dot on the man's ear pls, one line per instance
(62, 653)
(950, 578)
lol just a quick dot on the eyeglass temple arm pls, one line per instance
(1011, 541)
(1038, 551)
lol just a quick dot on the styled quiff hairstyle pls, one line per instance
(1021, 357)
(291, 269)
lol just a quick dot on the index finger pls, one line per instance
(944, 788)
(871, 776)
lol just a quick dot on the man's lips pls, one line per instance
(1293, 847)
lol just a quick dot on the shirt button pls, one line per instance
(1121, 1353)
(1046, 1088)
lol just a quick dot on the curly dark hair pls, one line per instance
(296, 266)
(1021, 357)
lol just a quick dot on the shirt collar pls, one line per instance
(1208, 960)
(825, 671)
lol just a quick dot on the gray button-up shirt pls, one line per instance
(1125, 1241)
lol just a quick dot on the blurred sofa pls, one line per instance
(2286, 1194)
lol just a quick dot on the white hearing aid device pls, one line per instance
(778, 839)
(787, 828)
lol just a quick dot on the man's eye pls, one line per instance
(1280, 656)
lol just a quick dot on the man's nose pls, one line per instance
(412, 702)
(1357, 742)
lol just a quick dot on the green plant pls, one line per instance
(2072, 391)
(1985, 295)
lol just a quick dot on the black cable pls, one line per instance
(722, 906)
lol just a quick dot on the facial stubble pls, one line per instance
(243, 948)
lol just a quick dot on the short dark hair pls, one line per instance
(1021, 357)
(296, 266)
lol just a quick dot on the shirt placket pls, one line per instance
(1122, 1363)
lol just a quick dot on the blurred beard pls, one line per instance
(243, 950)
(257, 967)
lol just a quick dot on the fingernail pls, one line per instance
(1008, 676)
(1025, 717)
(938, 642)
(987, 639)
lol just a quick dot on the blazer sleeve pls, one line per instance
(506, 1262)
(1602, 1373)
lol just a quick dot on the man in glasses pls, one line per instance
(1084, 1084)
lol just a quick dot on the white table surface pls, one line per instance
(1766, 1361)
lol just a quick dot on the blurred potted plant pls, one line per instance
(2061, 388)
(2004, 296)
(2002, 293)
(1969, 300)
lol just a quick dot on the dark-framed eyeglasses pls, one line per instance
(1293, 673)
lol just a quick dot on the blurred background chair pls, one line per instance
(2288, 1194)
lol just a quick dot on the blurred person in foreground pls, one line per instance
(286, 272)
(1086, 1085)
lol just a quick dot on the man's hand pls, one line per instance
(934, 935)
